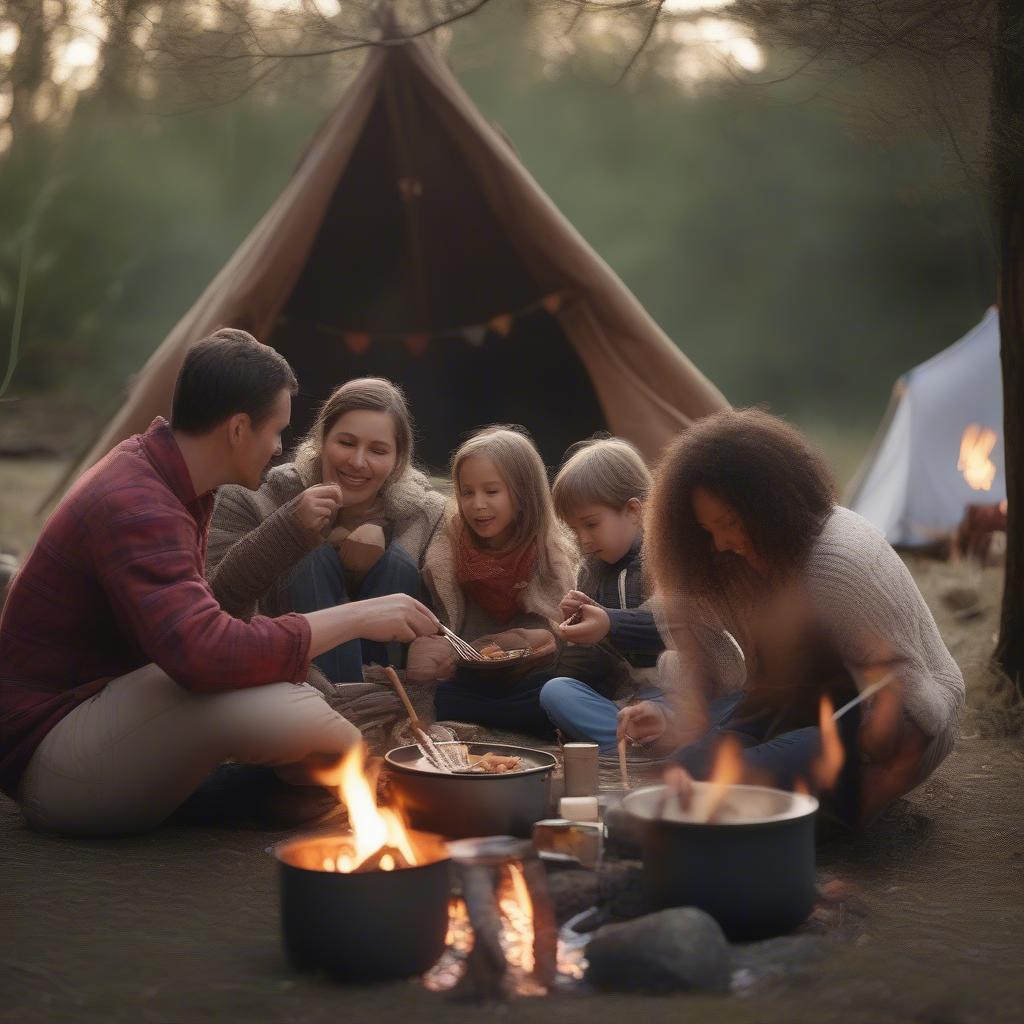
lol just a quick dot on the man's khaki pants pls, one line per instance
(124, 759)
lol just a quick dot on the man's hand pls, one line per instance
(393, 617)
(572, 602)
(316, 507)
(642, 723)
(592, 627)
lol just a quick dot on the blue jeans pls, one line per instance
(583, 714)
(785, 758)
(318, 581)
(513, 706)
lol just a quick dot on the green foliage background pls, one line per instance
(798, 263)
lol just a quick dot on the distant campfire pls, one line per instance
(975, 463)
(982, 531)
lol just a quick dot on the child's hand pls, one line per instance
(430, 659)
(678, 784)
(572, 602)
(642, 723)
(588, 625)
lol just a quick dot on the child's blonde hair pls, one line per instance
(521, 467)
(604, 471)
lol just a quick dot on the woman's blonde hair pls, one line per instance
(372, 394)
(522, 469)
(603, 471)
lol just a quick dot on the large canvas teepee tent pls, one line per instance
(412, 243)
(940, 446)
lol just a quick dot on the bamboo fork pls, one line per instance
(622, 763)
(460, 646)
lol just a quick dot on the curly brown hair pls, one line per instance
(778, 485)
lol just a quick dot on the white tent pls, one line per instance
(911, 485)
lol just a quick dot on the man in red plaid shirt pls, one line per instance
(123, 683)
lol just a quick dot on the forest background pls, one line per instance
(801, 253)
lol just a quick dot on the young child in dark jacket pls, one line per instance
(613, 640)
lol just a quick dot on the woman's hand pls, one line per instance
(891, 746)
(316, 507)
(572, 602)
(592, 627)
(642, 723)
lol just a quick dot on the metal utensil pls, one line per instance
(868, 691)
(461, 648)
(449, 757)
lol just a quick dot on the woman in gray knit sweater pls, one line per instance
(347, 519)
(747, 543)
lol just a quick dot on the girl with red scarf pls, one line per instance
(495, 572)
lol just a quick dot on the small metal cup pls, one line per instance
(580, 764)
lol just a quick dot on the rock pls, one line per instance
(622, 889)
(680, 949)
(616, 886)
(775, 963)
(571, 891)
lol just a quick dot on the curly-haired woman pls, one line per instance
(772, 590)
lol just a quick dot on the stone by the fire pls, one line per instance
(680, 949)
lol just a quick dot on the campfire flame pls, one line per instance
(830, 762)
(726, 772)
(975, 447)
(377, 832)
(517, 910)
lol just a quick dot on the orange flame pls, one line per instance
(830, 762)
(372, 827)
(726, 772)
(517, 910)
(975, 447)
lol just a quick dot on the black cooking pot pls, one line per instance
(371, 926)
(753, 871)
(462, 806)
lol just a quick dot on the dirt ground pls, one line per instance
(181, 925)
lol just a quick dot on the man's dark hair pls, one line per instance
(225, 374)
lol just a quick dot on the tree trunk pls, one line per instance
(1008, 177)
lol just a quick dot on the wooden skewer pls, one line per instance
(423, 737)
(622, 763)
(404, 697)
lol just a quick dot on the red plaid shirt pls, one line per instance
(115, 582)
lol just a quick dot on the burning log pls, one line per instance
(486, 969)
(387, 858)
(515, 942)
(545, 933)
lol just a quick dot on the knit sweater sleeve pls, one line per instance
(634, 630)
(250, 551)
(880, 622)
